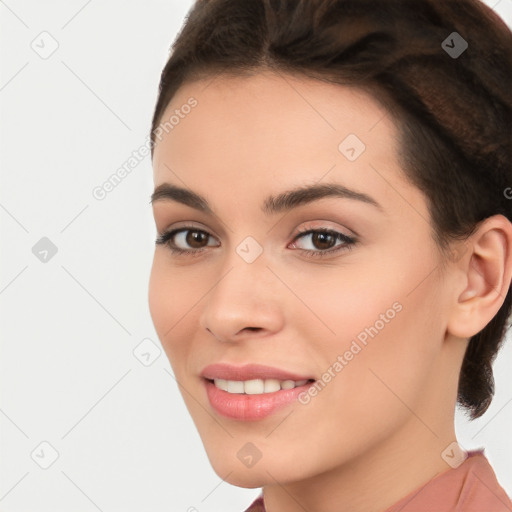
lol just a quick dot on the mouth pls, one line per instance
(252, 392)
(257, 386)
(251, 372)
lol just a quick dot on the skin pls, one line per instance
(377, 430)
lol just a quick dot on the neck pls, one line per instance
(375, 480)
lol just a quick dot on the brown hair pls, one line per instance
(453, 112)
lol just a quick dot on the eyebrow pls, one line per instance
(282, 202)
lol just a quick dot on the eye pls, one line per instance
(190, 235)
(195, 238)
(322, 237)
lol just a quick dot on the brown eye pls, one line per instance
(185, 240)
(190, 241)
(323, 242)
(195, 238)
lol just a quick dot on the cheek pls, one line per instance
(341, 304)
(158, 297)
(386, 328)
(172, 294)
(392, 342)
(171, 303)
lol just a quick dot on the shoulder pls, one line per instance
(481, 489)
(257, 505)
(470, 487)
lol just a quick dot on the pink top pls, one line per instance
(470, 487)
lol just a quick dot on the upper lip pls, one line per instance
(248, 372)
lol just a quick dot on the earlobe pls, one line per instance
(487, 267)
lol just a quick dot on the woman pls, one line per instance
(333, 263)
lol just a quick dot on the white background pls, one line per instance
(124, 438)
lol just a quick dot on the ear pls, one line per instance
(486, 265)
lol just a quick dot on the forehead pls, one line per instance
(274, 128)
(268, 114)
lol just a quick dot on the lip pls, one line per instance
(244, 407)
(248, 372)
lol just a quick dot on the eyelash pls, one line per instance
(349, 242)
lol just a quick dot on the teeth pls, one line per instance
(288, 384)
(256, 386)
(221, 384)
(235, 386)
(272, 385)
(253, 387)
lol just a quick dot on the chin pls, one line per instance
(247, 483)
(248, 478)
(262, 473)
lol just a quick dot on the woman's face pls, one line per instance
(363, 313)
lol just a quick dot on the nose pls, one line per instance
(246, 301)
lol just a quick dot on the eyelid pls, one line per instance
(166, 217)
(187, 225)
(318, 225)
(348, 240)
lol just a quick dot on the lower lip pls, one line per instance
(251, 407)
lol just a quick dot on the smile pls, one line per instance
(256, 386)
(249, 401)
